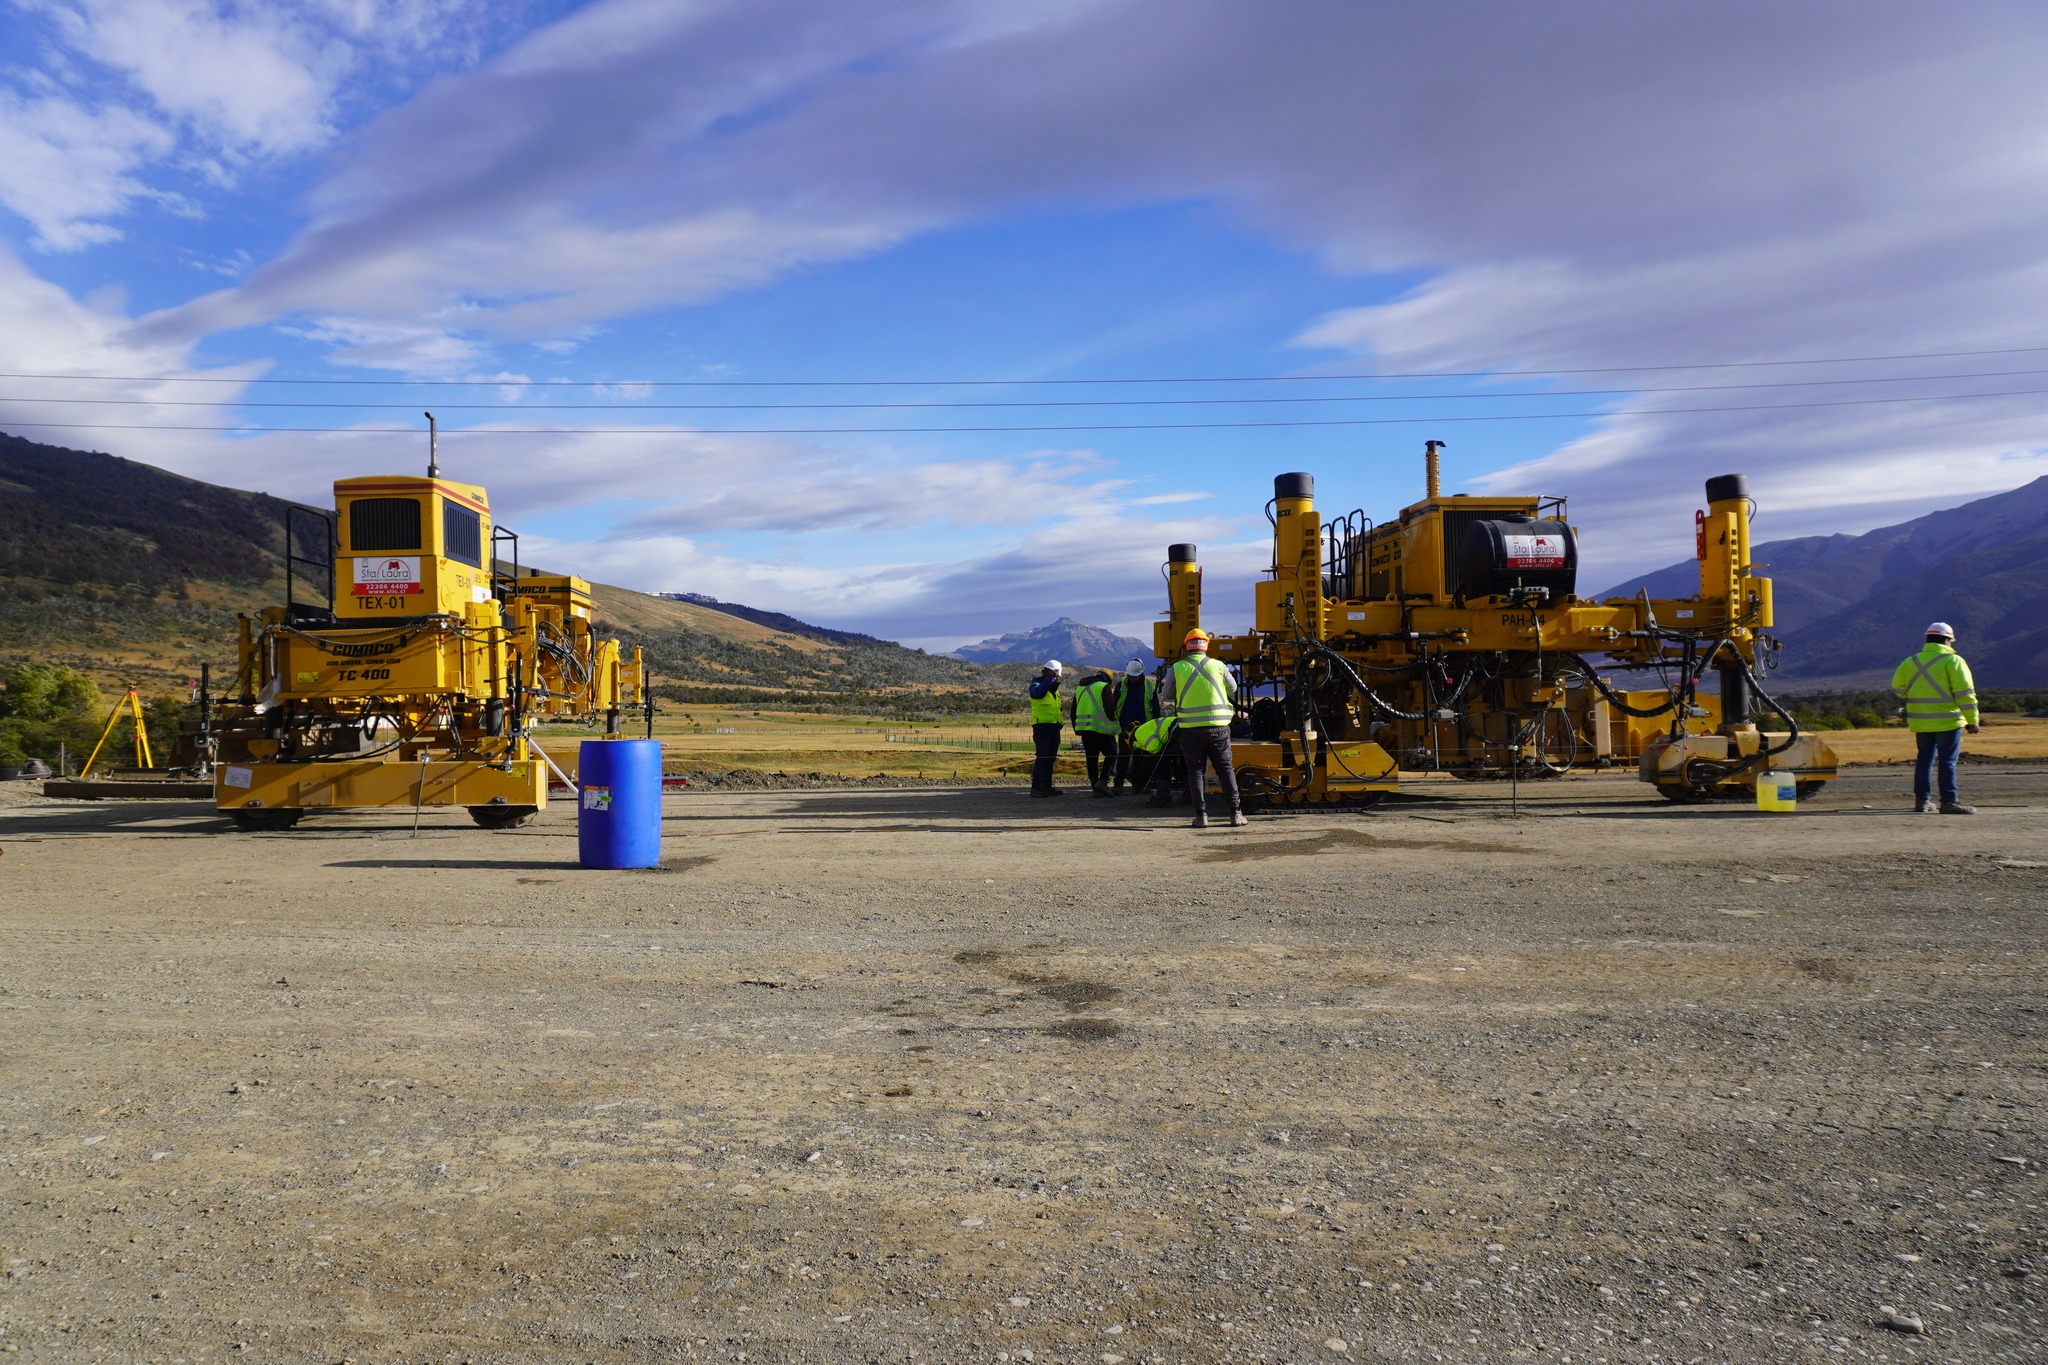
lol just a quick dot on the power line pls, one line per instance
(991, 383)
(1036, 403)
(1103, 426)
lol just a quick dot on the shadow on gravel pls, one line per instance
(518, 864)
(1249, 850)
(466, 864)
(1670, 811)
(1084, 1030)
(930, 808)
(114, 817)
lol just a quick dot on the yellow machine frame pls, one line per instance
(419, 681)
(1423, 644)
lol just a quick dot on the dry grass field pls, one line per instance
(717, 740)
(2002, 737)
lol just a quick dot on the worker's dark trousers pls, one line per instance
(1046, 740)
(1101, 752)
(1132, 765)
(1209, 744)
(1168, 766)
(1939, 750)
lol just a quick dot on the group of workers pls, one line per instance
(1129, 724)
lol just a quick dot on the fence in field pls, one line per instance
(986, 738)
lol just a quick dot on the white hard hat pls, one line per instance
(1942, 628)
(1052, 665)
(1134, 669)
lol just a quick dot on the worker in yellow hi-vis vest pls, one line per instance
(1940, 699)
(1205, 700)
(1045, 728)
(1095, 723)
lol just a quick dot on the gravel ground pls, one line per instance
(945, 1075)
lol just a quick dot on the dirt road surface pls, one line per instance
(958, 1076)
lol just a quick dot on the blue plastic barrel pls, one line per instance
(618, 816)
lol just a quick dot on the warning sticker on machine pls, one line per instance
(380, 577)
(1534, 552)
(597, 798)
(235, 777)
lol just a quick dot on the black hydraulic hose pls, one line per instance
(1763, 752)
(1613, 698)
(1678, 694)
(1791, 724)
(1378, 703)
(1464, 684)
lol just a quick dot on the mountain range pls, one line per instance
(1068, 640)
(1849, 607)
(776, 620)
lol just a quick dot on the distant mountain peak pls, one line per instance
(776, 620)
(1068, 640)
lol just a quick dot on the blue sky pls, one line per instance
(806, 203)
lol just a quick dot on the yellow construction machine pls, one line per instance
(417, 681)
(1451, 639)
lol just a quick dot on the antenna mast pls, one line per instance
(433, 447)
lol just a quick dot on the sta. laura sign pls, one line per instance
(388, 576)
(1535, 552)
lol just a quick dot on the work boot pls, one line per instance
(1957, 808)
(1098, 791)
(1237, 820)
(1925, 806)
(1201, 820)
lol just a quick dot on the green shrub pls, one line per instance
(43, 706)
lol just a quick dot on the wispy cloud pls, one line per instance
(67, 169)
(133, 95)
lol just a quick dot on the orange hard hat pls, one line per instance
(1195, 637)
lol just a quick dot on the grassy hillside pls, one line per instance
(125, 571)
(134, 575)
(703, 656)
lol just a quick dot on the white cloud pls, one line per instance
(66, 169)
(250, 79)
(186, 88)
(406, 347)
(543, 274)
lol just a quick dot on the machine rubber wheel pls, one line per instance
(1364, 800)
(502, 817)
(265, 818)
